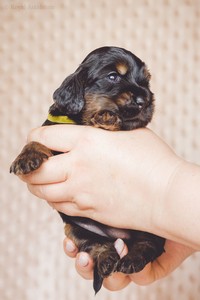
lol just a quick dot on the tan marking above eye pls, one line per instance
(122, 68)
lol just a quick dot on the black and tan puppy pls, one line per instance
(109, 90)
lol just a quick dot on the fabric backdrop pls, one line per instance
(41, 43)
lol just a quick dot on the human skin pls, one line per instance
(99, 170)
(174, 255)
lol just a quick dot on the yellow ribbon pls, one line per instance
(60, 119)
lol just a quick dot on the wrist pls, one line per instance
(162, 190)
(177, 215)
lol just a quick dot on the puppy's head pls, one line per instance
(109, 79)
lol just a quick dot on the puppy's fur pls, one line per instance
(110, 90)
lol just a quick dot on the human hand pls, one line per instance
(173, 256)
(99, 170)
(133, 173)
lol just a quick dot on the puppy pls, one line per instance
(109, 90)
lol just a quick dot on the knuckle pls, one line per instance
(38, 134)
(83, 201)
(32, 135)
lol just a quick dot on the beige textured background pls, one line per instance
(41, 43)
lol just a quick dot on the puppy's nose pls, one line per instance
(140, 101)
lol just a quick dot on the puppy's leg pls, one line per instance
(100, 249)
(140, 253)
(105, 263)
(30, 158)
(108, 120)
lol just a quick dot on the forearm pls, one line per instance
(177, 216)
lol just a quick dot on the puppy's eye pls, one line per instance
(114, 76)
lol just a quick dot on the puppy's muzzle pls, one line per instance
(129, 112)
(132, 109)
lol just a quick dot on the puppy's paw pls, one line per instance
(139, 255)
(107, 263)
(129, 264)
(107, 120)
(30, 159)
(25, 164)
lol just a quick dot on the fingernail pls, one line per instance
(119, 246)
(70, 247)
(83, 260)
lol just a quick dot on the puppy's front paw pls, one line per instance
(107, 120)
(30, 159)
(26, 163)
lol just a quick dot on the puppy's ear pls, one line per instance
(143, 76)
(69, 97)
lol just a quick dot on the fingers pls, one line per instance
(84, 265)
(144, 277)
(56, 199)
(121, 247)
(116, 282)
(173, 256)
(161, 267)
(69, 248)
(59, 198)
(50, 192)
(60, 138)
(54, 170)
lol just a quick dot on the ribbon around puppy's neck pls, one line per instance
(60, 119)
